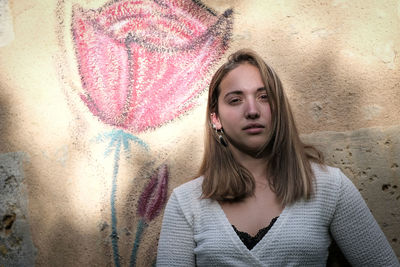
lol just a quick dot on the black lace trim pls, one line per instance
(251, 241)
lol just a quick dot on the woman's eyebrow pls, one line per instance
(236, 92)
(239, 92)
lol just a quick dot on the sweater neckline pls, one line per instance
(264, 243)
(249, 240)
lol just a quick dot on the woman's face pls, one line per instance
(243, 109)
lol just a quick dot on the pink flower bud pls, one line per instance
(154, 195)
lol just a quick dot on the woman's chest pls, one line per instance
(297, 235)
(253, 214)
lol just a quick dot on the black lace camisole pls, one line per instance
(251, 241)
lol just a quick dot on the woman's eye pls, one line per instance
(263, 97)
(234, 100)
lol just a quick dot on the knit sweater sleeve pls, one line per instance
(176, 244)
(356, 232)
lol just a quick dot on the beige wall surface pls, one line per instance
(102, 107)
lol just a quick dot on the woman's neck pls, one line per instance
(256, 166)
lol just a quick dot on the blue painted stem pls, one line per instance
(139, 232)
(114, 233)
(118, 138)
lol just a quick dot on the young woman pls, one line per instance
(263, 197)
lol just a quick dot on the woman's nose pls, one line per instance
(252, 109)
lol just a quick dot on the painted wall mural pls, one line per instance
(142, 64)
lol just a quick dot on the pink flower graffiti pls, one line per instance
(142, 62)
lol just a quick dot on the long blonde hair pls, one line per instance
(288, 164)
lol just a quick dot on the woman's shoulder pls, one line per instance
(327, 174)
(190, 190)
(188, 198)
(328, 179)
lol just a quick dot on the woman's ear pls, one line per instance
(215, 121)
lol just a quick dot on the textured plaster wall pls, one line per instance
(75, 197)
(16, 247)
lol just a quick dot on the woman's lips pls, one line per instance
(254, 128)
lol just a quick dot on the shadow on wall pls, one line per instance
(325, 97)
(6, 117)
(16, 246)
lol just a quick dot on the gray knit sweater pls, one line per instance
(196, 231)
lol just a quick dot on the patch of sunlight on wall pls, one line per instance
(89, 191)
